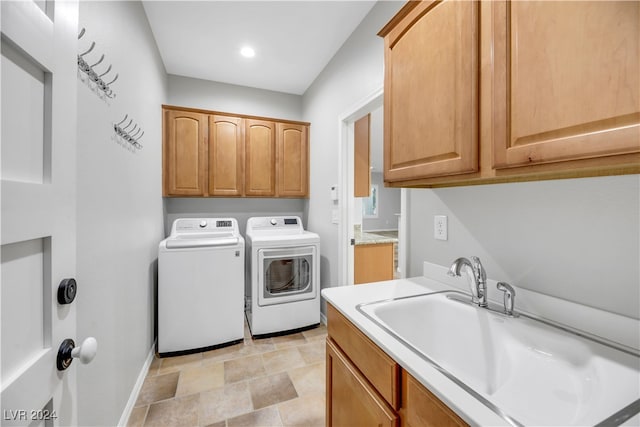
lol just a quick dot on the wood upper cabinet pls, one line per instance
(208, 153)
(260, 158)
(185, 153)
(503, 91)
(362, 156)
(226, 156)
(566, 80)
(431, 91)
(292, 160)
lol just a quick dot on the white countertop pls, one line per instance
(346, 298)
(593, 321)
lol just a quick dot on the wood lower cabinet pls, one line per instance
(421, 408)
(213, 154)
(373, 263)
(353, 402)
(185, 153)
(506, 91)
(363, 384)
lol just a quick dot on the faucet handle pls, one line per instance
(478, 269)
(509, 297)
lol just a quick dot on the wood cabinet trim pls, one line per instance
(398, 17)
(222, 113)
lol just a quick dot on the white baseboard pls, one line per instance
(323, 318)
(126, 413)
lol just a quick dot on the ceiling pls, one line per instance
(293, 40)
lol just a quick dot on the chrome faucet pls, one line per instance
(479, 286)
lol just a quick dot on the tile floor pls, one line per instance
(267, 382)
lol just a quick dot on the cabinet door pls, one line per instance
(293, 160)
(226, 156)
(260, 158)
(361, 157)
(185, 153)
(431, 91)
(373, 263)
(566, 81)
(420, 408)
(350, 399)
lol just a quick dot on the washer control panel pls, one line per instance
(204, 225)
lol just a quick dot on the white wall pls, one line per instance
(354, 73)
(120, 211)
(574, 239)
(208, 95)
(388, 206)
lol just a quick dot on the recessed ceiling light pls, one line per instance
(247, 52)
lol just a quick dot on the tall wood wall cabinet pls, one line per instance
(362, 156)
(213, 154)
(495, 91)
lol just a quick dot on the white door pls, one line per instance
(38, 209)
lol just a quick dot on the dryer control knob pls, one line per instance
(273, 221)
(203, 224)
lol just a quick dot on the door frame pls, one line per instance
(346, 186)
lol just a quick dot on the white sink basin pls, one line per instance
(527, 371)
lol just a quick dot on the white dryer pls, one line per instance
(200, 286)
(282, 281)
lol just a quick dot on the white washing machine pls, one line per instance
(200, 286)
(282, 282)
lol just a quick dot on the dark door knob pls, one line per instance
(67, 291)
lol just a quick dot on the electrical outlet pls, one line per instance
(440, 227)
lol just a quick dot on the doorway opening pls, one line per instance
(385, 214)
